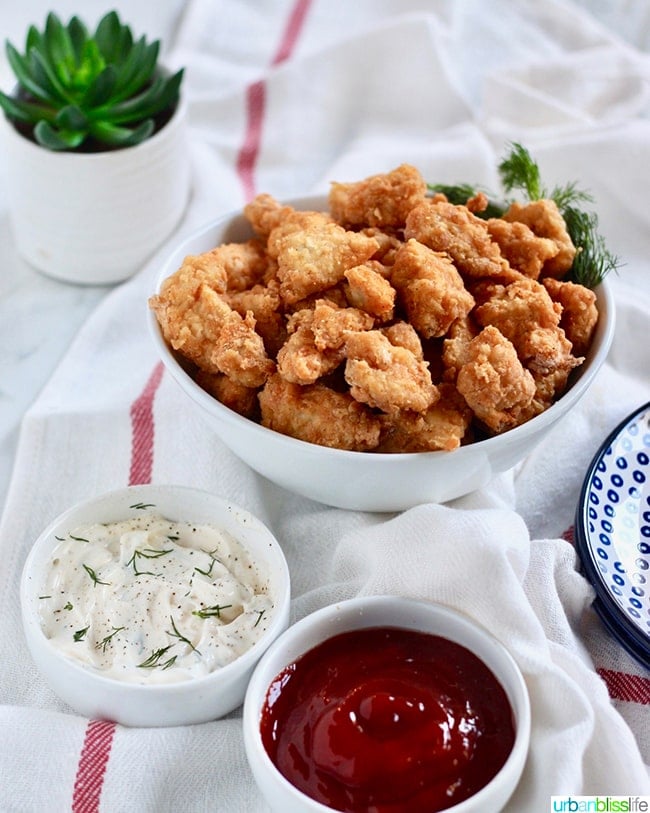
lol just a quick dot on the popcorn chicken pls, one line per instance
(387, 376)
(544, 219)
(318, 414)
(525, 252)
(579, 312)
(382, 200)
(394, 322)
(430, 288)
(494, 382)
(316, 258)
(443, 226)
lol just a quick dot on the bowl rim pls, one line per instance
(40, 549)
(626, 632)
(517, 692)
(583, 375)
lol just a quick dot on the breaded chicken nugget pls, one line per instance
(442, 226)
(443, 426)
(525, 313)
(455, 346)
(314, 259)
(240, 399)
(245, 264)
(332, 325)
(430, 289)
(545, 220)
(264, 213)
(239, 351)
(579, 312)
(522, 248)
(382, 200)
(493, 381)
(264, 303)
(385, 375)
(318, 414)
(368, 289)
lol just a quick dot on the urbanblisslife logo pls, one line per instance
(600, 804)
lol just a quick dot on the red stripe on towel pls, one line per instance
(92, 766)
(622, 686)
(569, 535)
(142, 430)
(99, 733)
(256, 102)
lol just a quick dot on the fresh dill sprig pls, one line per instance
(93, 576)
(79, 635)
(593, 260)
(459, 194)
(145, 553)
(154, 659)
(78, 538)
(260, 613)
(181, 637)
(105, 641)
(140, 506)
(211, 612)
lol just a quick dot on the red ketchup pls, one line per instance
(387, 719)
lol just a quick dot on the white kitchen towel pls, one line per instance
(285, 97)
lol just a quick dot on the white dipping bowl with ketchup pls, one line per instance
(384, 700)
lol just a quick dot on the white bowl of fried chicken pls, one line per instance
(381, 346)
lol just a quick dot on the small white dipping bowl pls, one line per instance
(367, 481)
(196, 700)
(384, 611)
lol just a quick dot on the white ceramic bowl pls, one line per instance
(359, 613)
(190, 701)
(365, 481)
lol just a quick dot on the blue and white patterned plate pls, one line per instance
(613, 532)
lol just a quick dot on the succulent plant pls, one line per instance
(80, 91)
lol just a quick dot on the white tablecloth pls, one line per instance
(284, 98)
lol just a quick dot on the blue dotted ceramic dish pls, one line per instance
(613, 532)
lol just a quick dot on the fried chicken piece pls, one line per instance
(239, 351)
(455, 346)
(245, 264)
(522, 248)
(265, 213)
(318, 414)
(188, 309)
(544, 219)
(493, 381)
(525, 313)
(402, 334)
(430, 289)
(382, 200)
(315, 258)
(332, 325)
(389, 243)
(387, 376)
(231, 394)
(300, 361)
(579, 312)
(443, 426)
(442, 226)
(264, 303)
(368, 290)
(296, 222)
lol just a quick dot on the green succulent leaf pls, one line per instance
(72, 118)
(161, 94)
(136, 70)
(59, 46)
(21, 69)
(122, 136)
(101, 88)
(28, 112)
(74, 85)
(78, 34)
(59, 140)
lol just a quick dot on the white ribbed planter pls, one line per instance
(96, 218)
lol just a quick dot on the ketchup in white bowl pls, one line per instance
(383, 704)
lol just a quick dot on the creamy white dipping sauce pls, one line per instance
(148, 600)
